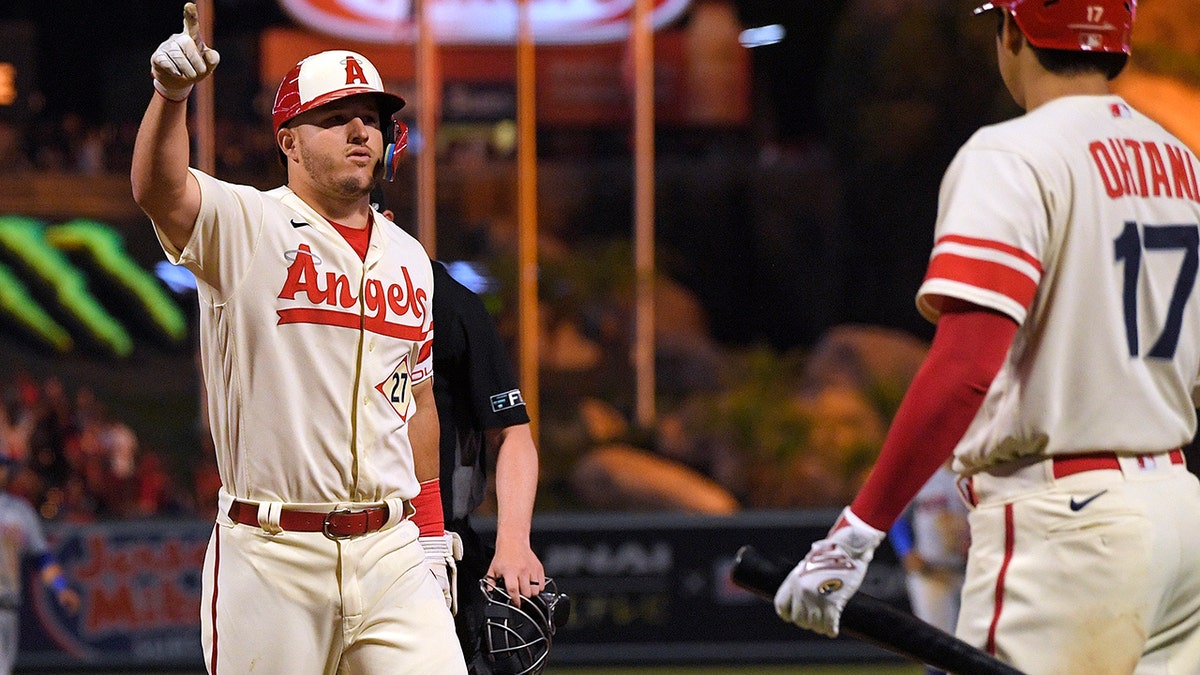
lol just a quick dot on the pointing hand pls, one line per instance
(183, 59)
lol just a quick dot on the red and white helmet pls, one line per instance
(326, 77)
(1072, 25)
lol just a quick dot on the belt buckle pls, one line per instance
(325, 525)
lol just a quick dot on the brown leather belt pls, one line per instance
(338, 524)
(1067, 465)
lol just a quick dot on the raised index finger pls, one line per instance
(191, 23)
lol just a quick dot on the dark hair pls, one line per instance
(1064, 62)
(1061, 62)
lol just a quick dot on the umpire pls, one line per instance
(482, 417)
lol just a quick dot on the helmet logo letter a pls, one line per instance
(354, 72)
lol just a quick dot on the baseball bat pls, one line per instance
(872, 620)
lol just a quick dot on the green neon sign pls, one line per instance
(77, 279)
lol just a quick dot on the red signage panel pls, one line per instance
(477, 21)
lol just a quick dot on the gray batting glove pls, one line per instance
(183, 59)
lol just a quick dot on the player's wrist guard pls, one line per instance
(427, 509)
(442, 549)
(858, 538)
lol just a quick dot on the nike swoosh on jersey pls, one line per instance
(1076, 506)
(300, 224)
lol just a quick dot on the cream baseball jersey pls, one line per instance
(309, 353)
(1079, 221)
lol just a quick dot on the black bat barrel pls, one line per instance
(872, 620)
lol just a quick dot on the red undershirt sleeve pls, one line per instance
(968, 348)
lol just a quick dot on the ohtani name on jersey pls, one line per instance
(381, 305)
(1145, 169)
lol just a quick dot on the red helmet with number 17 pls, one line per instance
(1072, 25)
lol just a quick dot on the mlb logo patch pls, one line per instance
(509, 399)
(1090, 41)
(1120, 110)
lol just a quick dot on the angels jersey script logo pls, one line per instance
(334, 301)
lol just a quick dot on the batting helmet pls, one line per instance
(328, 76)
(518, 639)
(1072, 25)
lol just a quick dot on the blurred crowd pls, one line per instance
(74, 462)
(69, 143)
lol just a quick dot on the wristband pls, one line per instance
(170, 94)
(901, 536)
(59, 584)
(856, 536)
(428, 505)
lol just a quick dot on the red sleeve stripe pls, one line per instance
(991, 244)
(986, 274)
(1019, 263)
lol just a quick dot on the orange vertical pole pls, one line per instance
(428, 100)
(205, 109)
(643, 63)
(527, 223)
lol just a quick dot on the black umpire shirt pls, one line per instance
(475, 389)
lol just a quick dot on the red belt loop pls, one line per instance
(966, 489)
(338, 524)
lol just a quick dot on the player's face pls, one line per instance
(339, 146)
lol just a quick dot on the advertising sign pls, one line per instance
(654, 588)
(477, 21)
(648, 588)
(139, 588)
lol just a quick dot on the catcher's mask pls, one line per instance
(518, 639)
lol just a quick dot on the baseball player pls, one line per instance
(315, 342)
(483, 419)
(931, 538)
(1062, 280)
(23, 536)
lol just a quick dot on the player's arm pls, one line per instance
(516, 489)
(901, 536)
(424, 432)
(968, 348)
(53, 578)
(442, 548)
(423, 436)
(162, 185)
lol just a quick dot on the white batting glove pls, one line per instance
(442, 554)
(183, 59)
(816, 591)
